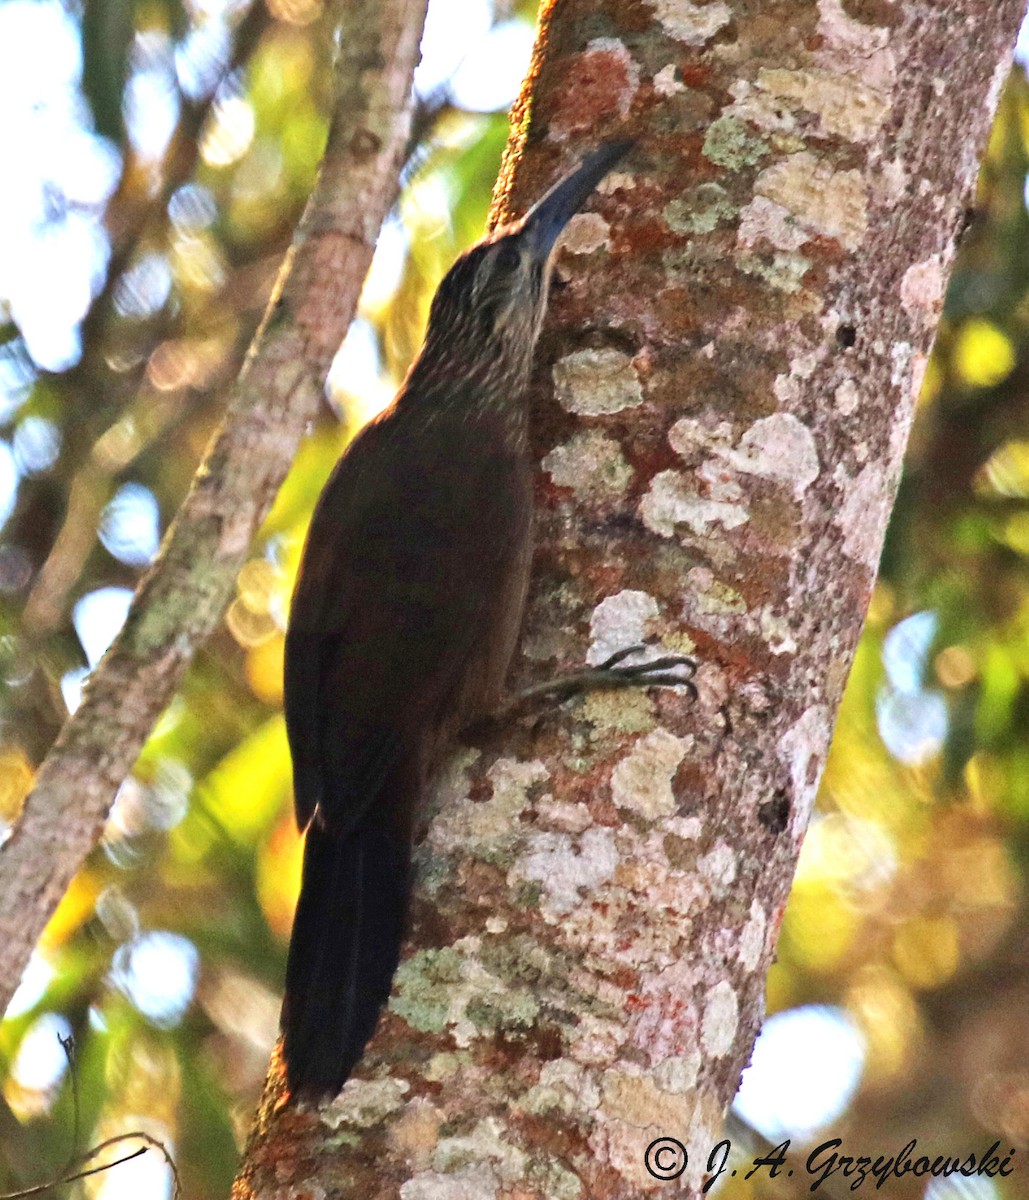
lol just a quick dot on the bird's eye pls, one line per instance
(508, 258)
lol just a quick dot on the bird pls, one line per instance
(404, 620)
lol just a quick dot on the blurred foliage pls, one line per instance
(166, 958)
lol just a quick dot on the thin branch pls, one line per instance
(182, 597)
(78, 1169)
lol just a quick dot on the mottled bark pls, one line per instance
(182, 597)
(723, 397)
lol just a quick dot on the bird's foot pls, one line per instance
(670, 670)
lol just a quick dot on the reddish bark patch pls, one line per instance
(596, 87)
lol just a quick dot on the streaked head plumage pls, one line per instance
(488, 310)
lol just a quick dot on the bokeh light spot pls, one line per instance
(984, 354)
(230, 133)
(37, 443)
(8, 482)
(98, 617)
(806, 1065)
(16, 777)
(158, 973)
(130, 525)
(925, 950)
(38, 1067)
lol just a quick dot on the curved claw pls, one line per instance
(619, 655)
(654, 664)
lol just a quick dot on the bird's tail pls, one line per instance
(345, 946)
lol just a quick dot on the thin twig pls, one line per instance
(70, 1175)
(68, 1046)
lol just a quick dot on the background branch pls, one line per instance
(278, 392)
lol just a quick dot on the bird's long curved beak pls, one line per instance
(543, 222)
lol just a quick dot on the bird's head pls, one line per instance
(487, 312)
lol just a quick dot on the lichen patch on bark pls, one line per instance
(591, 464)
(824, 201)
(692, 24)
(721, 1019)
(620, 621)
(845, 105)
(672, 501)
(642, 781)
(595, 382)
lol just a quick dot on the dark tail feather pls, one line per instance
(345, 946)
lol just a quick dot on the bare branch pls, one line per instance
(278, 391)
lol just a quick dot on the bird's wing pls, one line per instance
(402, 578)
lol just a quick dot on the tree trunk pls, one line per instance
(724, 391)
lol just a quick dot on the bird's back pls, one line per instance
(407, 608)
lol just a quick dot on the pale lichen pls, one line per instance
(852, 47)
(637, 1100)
(824, 201)
(901, 354)
(586, 232)
(633, 1112)
(415, 1133)
(554, 1180)
(620, 621)
(764, 220)
(625, 711)
(591, 464)
(678, 1073)
(719, 867)
(721, 1019)
(752, 938)
(566, 868)
(712, 596)
(867, 499)
(784, 271)
(693, 24)
(671, 500)
(845, 105)
(595, 382)
(780, 448)
(366, 1102)
(450, 988)
(486, 826)
(665, 82)
(666, 1024)
(701, 210)
(642, 781)
(776, 631)
(847, 397)
(616, 181)
(729, 143)
(802, 748)
(420, 991)
(923, 285)
(564, 1087)
(473, 1183)
(596, 1040)
(484, 1144)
